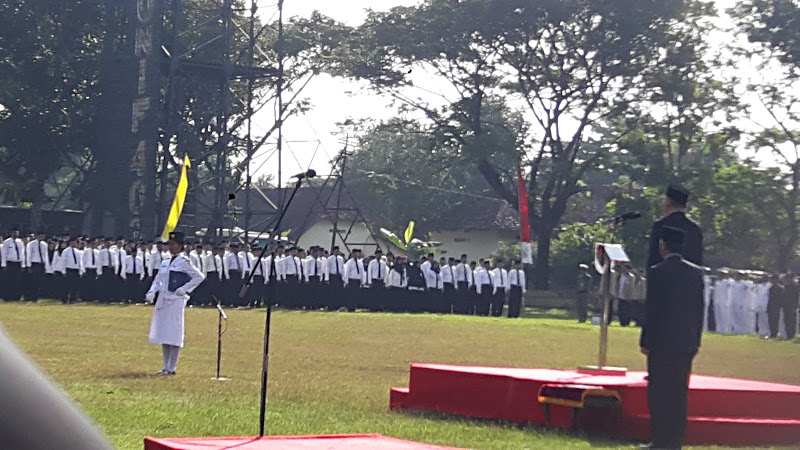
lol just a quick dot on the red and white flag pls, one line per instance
(524, 220)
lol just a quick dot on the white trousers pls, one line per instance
(170, 354)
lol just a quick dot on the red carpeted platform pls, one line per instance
(722, 411)
(332, 442)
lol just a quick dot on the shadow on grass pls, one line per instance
(595, 439)
(132, 376)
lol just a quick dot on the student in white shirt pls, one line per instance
(517, 289)
(485, 288)
(500, 288)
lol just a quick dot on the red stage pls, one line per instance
(333, 442)
(722, 411)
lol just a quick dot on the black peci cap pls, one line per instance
(677, 194)
(177, 237)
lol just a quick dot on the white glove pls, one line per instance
(150, 298)
(180, 292)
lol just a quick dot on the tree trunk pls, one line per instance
(541, 273)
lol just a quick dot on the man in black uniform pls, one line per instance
(671, 338)
(584, 286)
(675, 212)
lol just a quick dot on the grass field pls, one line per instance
(329, 372)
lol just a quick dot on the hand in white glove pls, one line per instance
(150, 298)
(180, 292)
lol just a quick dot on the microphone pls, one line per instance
(311, 173)
(628, 216)
(219, 308)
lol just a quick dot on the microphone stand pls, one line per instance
(267, 326)
(222, 316)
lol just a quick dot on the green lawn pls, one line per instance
(329, 372)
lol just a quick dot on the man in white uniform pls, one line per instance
(176, 279)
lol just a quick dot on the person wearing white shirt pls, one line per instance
(72, 263)
(212, 266)
(377, 273)
(194, 257)
(13, 259)
(722, 303)
(426, 264)
(334, 275)
(36, 252)
(627, 280)
(234, 274)
(397, 282)
(517, 289)
(462, 276)
(433, 283)
(272, 268)
(89, 282)
(133, 276)
(291, 273)
(448, 273)
(355, 276)
(155, 259)
(106, 268)
(247, 260)
(500, 288)
(257, 291)
(314, 273)
(117, 284)
(176, 280)
(484, 284)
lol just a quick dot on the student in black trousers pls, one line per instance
(671, 338)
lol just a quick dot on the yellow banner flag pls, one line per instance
(409, 232)
(177, 204)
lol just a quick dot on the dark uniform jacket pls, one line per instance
(674, 308)
(692, 240)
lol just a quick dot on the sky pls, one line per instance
(313, 139)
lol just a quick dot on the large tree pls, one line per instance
(48, 64)
(572, 65)
(772, 30)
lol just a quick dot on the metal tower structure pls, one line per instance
(215, 64)
(338, 205)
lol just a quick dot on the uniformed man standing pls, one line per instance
(234, 273)
(314, 271)
(516, 283)
(72, 261)
(675, 211)
(500, 288)
(671, 337)
(377, 274)
(176, 280)
(485, 288)
(37, 260)
(584, 286)
(13, 258)
(89, 291)
(462, 277)
(106, 271)
(354, 273)
(335, 269)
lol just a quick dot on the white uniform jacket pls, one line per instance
(168, 321)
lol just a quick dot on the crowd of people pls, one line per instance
(741, 302)
(107, 270)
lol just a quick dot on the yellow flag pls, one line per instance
(177, 204)
(409, 232)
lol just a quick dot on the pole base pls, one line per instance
(603, 371)
(220, 379)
